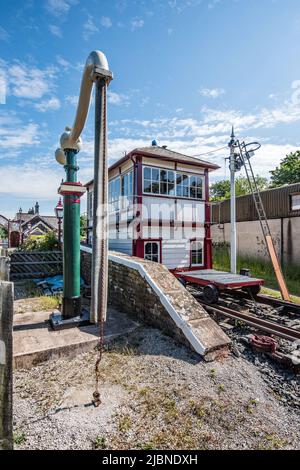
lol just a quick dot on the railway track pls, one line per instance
(276, 348)
(266, 300)
(268, 326)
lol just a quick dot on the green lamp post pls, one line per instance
(71, 190)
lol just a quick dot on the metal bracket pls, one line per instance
(101, 73)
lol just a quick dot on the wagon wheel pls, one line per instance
(211, 294)
(182, 281)
(253, 290)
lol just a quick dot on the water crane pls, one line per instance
(96, 72)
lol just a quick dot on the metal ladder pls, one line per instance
(255, 194)
(245, 161)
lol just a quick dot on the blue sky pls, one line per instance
(184, 71)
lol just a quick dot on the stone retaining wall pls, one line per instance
(150, 293)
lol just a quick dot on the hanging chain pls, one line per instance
(96, 394)
(103, 272)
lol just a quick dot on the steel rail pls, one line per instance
(265, 325)
(266, 299)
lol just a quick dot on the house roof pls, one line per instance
(23, 216)
(156, 151)
(49, 220)
(163, 153)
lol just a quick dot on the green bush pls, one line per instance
(47, 242)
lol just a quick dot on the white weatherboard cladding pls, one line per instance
(113, 173)
(121, 245)
(158, 163)
(190, 169)
(156, 208)
(176, 253)
(126, 166)
(121, 240)
(191, 211)
(175, 244)
(173, 233)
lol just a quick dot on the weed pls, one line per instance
(171, 411)
(198, 409)
(125, 423)
(143, 391)
(221, 388)
(147, 446)
(99, 443)
(253, 401)
(19, 438)
(212, 373)
(272, 442)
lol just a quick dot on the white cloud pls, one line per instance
(63, 62)
(212, 92)
(89, 28)
(118, 99)
(31, 83)
(15, 135)
(106, 22)
(55, 30)
(4, 36)
(137, 23)
(48, 105)
(71, 99)
(59, 7)
(212, 4)
(2, 88)
(35, 182)
(180, 5)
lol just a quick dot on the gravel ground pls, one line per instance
(157, 395)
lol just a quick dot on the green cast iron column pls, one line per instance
(71, 246)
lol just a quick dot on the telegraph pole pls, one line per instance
(232, 167)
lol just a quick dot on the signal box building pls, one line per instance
(159, 208)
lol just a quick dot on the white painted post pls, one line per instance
(232, 206)
(4, 268)
(6, 365)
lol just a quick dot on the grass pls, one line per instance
(99, 443)
(272, 442)
(19, 438)
(125, 423)
(41, 303)
(259, 268)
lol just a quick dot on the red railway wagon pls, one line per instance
(213, 281)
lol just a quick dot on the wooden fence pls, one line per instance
(35, 264)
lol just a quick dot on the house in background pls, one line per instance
(282, 206)
(30, 223)
(159, 207)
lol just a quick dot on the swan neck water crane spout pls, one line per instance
(96, 71)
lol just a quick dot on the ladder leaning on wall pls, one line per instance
(244, 156)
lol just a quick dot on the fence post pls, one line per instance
(4, 268)
(6, 365)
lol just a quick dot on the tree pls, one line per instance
(47, 242)
(288, 171)
(83, 225)
(221, 189)
(3, 232)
